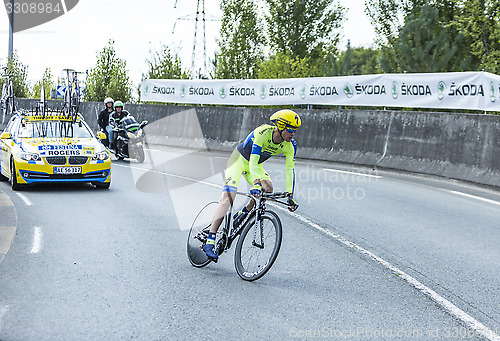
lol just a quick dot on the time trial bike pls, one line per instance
(260, 235)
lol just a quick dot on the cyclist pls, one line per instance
(114, 120)
(262, 143)
(103, 119)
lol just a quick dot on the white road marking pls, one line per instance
(24, 198)
(3, 311)
(476, 197)
(471, 322)
(352, 173)
(452, 309)
(37, 240)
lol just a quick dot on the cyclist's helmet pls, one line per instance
(118, 104)
(108, 100)
(286, 119)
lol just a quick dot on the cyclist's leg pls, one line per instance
(232, 176)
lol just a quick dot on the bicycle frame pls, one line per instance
(229, 232)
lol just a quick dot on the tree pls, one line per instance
(304, 28)
(47, 82)
(353, 61)
(424, 44)
(109, 78)
(479, 22)
(163, 65)
(283, 65)
(20, 81)
(389, 19)
(242, 41)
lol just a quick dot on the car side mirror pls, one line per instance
(5, 136)
(144, 123)
(101, 135)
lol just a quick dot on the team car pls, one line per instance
(52, 147)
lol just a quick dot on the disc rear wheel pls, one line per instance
(197, 236)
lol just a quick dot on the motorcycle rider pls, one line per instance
(114, 120)
(103, 119)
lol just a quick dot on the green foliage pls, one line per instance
(424, 45)
(163, 65)
(353, 61)
(479, 22)
(20, 82)
(109, 78)
(465, 34)
(47, 82)
(304, 28)
(283, 65)
(242, 41)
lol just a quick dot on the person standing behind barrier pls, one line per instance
(103, 119)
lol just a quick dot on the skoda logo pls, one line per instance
(222, 92)
(263, 91)
(303, 92)
(441, 90)
(348, 90)
(183, 91)
(394, 90)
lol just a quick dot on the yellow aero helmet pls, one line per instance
(286, 119)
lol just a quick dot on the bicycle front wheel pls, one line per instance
(258, 246)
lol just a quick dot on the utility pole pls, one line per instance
(11, 30)
(200, 12)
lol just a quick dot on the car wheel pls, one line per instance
(13, 177)
(102, 185)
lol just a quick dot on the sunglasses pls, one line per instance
(290, 130)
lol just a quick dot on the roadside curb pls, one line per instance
(8, 224)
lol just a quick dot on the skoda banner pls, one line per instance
(459, 90)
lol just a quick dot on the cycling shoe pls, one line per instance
(210, 252)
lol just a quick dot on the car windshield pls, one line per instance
(53, 129)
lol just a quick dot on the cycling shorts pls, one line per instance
(237, 166)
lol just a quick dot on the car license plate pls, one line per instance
(67, 170)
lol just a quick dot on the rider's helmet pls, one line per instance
(118, 104)
(108, 100)
(286, 119)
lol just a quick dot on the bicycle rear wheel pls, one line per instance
(198, 235)
(258, 246)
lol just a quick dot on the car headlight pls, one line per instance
(100, 156)
(29, 156)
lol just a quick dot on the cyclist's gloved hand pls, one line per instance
(256, 189)
(293, 204)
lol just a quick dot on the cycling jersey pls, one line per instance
(254, 150)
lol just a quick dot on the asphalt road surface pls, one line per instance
(369, 255)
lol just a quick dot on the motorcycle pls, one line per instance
(129, 139)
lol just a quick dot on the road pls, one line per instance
(369, 255)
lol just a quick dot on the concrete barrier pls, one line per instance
(458, 146)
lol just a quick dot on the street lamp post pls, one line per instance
(11, 30)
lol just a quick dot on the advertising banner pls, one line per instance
(457, 90)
